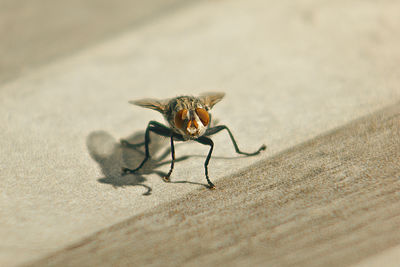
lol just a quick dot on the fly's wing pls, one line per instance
(210, 99)
(158, 105)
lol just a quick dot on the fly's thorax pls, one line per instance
(188, 116)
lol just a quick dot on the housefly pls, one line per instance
(188, 118)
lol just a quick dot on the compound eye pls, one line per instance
(203, 116)
(180, 118)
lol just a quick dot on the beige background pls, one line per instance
(291, 70)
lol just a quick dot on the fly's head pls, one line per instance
(189, 117)
(186, 115)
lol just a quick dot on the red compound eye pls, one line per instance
(180, 118)
(203, 116)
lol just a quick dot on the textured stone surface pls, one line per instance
(329, 202)
(37, 32)
(291, 71)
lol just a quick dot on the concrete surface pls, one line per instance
(36, 32)
(328, 202)
(291, 71)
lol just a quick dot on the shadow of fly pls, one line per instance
(189, 119)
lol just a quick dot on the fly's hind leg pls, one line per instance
(216, 129)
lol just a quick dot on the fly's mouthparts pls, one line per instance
(192, 131)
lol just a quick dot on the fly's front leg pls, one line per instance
(216, 129)
(166, 178)
(157, 128)
(207, 141)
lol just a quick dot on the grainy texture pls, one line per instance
(291, 70)
(37, 32)
(329, 202)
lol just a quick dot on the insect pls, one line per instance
(189, 119)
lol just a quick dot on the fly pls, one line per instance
(189, 119)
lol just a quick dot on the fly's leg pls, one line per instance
(216, 129)
(166, 178)
(207, 141)
(157, 128)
